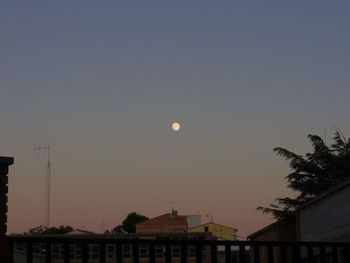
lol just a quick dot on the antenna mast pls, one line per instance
(48, 182)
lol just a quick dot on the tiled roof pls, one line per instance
(166, 219)
(80, 231)
(326, 194)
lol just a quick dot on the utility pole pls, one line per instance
(48, 182)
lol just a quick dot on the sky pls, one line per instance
(101, 82)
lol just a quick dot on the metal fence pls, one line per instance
(108, 249)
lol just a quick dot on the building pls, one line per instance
(278, 231)
(80, 232)
(218, 231)
(57, 249)
(168, 226)
(5, 162)
(168, 223)
(326, 218)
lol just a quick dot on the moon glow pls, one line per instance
(175, 126)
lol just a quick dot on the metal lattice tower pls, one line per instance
(48, 183)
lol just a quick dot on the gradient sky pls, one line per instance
(101, 81)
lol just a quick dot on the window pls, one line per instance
(38, 248)
(159, 251)
(110, 251)
(127, 251)
(75, 251)
(192, 249)
(19, 246)
(203, 247)
(206, 229)
(57, 252)
(72, 251)
(78, 251)
(143, 249)
(93, 252)
(176, 249)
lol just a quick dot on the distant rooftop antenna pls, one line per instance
(207, 216)
(48, 182)
(172, 206)
(103, 226)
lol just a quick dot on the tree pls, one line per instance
(129, 223)
(43, 230)
(118, 230)
(312, 174)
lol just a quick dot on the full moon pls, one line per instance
(175, 126)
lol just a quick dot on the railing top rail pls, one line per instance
(130, 240)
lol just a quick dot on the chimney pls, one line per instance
(174, 213)
(5, 162)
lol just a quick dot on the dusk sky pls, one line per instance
(101, 81)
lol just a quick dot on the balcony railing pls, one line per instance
(106, 249)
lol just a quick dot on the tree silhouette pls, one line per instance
(43, 230)
(312, 174)
(129, 223)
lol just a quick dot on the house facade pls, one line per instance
(218, 231)
(278, 231)
(75, 250)
(326, 218)
(167, 223)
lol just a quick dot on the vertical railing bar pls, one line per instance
(102, 248)
(84, 252)
(213, 249)
(228, 253)
(295, 253)
(294, 258)
(346, 253)
(183, 251)
(198, 252)
(324, 250)
(242, 254)
(48, 252)
(29, 246)
(283, 250)
(119, 251)
(152, 253)
(135, 250)
(256, 254)
(269, 254)
(167, 252)
(310, 254)
(334, 254)
(66, 252)
(322, 254)
(11, 250)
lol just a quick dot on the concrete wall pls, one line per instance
(193, 221)
(327, 219)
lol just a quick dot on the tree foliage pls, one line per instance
(43, 230)
(129, 223)
(118, 230)
(312, 174)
